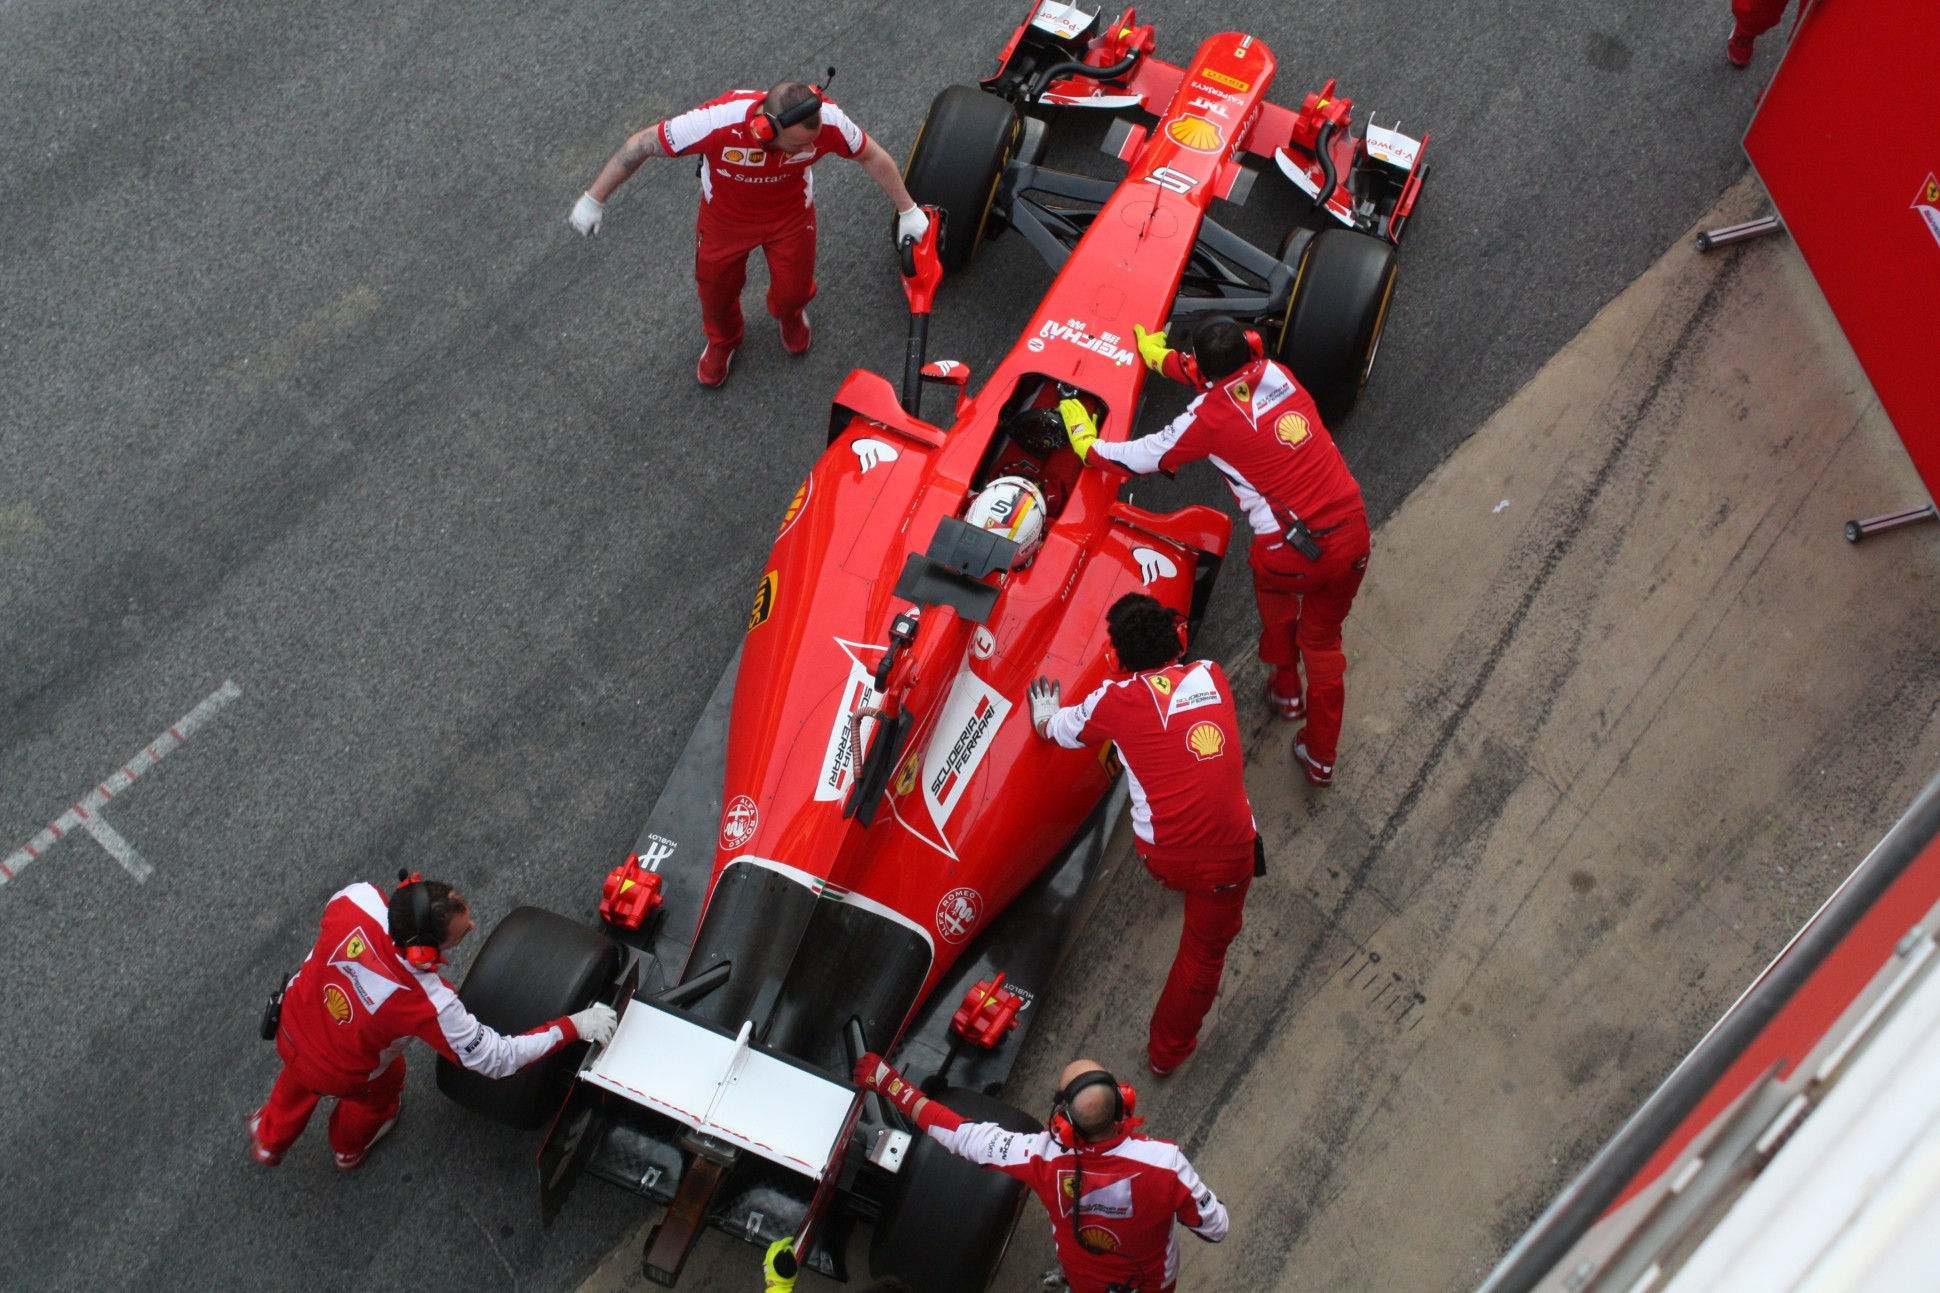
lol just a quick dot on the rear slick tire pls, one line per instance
(1334, 323)
(948, 1222)
(536, 967)
(957, 163)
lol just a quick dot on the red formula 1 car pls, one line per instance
(865, 846)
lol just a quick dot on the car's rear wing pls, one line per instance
(726, 1087)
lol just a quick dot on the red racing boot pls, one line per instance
(795, 335)
(1287, 708)
(263, 1156)
(1317, 773)
(1738, 48)
(714, 365)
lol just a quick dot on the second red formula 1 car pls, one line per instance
(865, 846)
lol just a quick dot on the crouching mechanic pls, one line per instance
(1175, 729)
(1113, 1194)
(370, 985)
(1260, 428)
(755, 151)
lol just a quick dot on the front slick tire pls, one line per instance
(947, 1222)
(535, 967)
(957, 164)
(1334, 324)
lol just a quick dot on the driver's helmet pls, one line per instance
(1013, 507)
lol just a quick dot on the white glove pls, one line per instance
(595, 1023)
(911, 225)
(586, 213)
(1044, 702)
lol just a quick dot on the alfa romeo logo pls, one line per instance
(957, 914)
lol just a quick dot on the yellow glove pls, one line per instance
(1077, 427)
(779, 1267)
(1151, 348)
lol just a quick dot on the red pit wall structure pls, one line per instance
(1847, 142)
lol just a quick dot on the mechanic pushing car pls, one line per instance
(369, 985)
(1174, 726)
(1310, 537)
(1113, 1194)
(755, 152)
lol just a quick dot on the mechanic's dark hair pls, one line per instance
(444, 905)
(1144, 632)
(790, 94)
(1220, 347)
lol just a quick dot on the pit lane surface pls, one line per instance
(306, 385)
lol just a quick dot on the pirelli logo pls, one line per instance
(1230, 82)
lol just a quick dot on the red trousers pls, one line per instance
(1215, 897)
(721, 250)
(362, 1109)
(1302, 607)
(1756, 17)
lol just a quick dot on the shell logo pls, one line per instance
(1196, 133)
(337, 1002)
(1206, 741)
(795, 505)
(1292, 430)
(1098, 1239)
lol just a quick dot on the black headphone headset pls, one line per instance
(421, 950)
(1064, 1128)
(766, 126)
(1064, 1131)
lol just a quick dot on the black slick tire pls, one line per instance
(1334, 323)
(536, 967)
(957, 163)
(947, 1223)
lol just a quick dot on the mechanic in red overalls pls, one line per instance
(1173, 723)
(1260, 428)
(369, 986)
(755, 151)
(1113, 1194)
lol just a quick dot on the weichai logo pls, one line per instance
(963, 751)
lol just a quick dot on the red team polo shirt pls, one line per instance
(1179, 739)
(1260, 428)
(356, 1002)
(740, 179)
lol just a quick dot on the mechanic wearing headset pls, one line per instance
(1173, 723)
(1113, 1194)
(1310, 537)
(756, 191)
(370, 985)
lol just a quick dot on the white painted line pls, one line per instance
(118, 848)
(85, 814)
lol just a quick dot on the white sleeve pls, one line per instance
(991, 1144)
(1142, 456)
(1213, 1221)
(480, 1048)
(678, 134)
(1067, 726)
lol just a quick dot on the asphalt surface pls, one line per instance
(305, 385)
